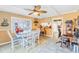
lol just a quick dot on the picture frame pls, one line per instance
(25, 24)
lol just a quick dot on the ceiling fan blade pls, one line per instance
(42, 11)
(28, 9)
(30, 13)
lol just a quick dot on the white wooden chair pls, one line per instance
(36, 35)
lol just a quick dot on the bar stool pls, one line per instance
(75, 47)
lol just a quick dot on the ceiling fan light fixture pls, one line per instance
(36, 13)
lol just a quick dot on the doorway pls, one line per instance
(56, 25)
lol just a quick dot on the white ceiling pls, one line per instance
(52, 10)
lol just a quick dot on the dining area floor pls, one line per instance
(45, 45)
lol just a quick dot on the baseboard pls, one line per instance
(5, 43)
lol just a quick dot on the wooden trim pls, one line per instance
(5, 43)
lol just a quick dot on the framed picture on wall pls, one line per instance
(20, 23)
(69, 25)
(5, 24)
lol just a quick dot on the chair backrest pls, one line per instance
(36, 34)
(76, 34)
(63, 38)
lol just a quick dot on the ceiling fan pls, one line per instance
(37, 10)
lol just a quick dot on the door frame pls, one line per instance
(61, 18)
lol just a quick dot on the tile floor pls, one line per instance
(45, 46)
